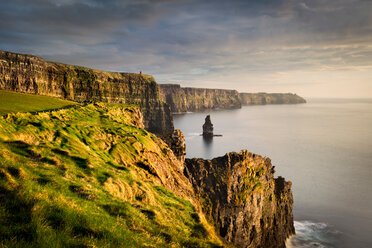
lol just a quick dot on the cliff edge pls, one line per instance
(30, 74)
(188, 99)
(270, 98)
(238, 193)
(184, 99)
(92, 176)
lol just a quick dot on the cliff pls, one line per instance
(198, 99)
(183, 99)
(238, 193)
(270, 98)
(91, 176)
(30, 74)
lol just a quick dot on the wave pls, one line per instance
(190, 136)
(311, 234)
(193, 134)
(182, 113)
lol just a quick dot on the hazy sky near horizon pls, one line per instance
(316, 48)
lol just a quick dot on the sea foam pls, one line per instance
(312, 234)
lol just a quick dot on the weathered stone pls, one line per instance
(176, 142)
(239, 194)
(208, 127)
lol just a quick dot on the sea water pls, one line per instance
(324, 147)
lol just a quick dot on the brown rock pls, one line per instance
(239, 194)
(176, 142)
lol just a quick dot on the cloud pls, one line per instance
(191, 40)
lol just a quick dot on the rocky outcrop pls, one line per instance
(186, 99)
(176, 142)
(198, 99)
(208, 127)
(30, 74)
(270, 98)
(238, 193)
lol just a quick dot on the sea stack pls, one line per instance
(208, 127)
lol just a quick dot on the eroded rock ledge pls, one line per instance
(238, 193)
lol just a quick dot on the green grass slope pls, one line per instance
(13, 102)
(90, 176)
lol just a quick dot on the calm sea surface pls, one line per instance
(324, 147)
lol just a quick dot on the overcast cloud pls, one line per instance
(312, 47)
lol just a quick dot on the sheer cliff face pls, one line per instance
(29, 74)
(270, 98)
(239, 194)
(198, 99)
(176, 142)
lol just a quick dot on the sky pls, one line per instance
(315, 48)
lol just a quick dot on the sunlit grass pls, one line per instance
(71, 178)
(13, 102)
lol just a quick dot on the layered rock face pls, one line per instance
(175, 96)
(270, 98)
(239, 194)
(30, 74)
(198, 99)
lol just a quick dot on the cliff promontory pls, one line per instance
(238, 193)
(186, 99)
(30, 74)
(270, 98)
(183, 99)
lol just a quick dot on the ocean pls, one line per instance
(324, 147)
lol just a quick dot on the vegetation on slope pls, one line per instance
(13, 102)
(92, 177)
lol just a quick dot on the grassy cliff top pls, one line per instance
(90, 176)
(13, 102)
